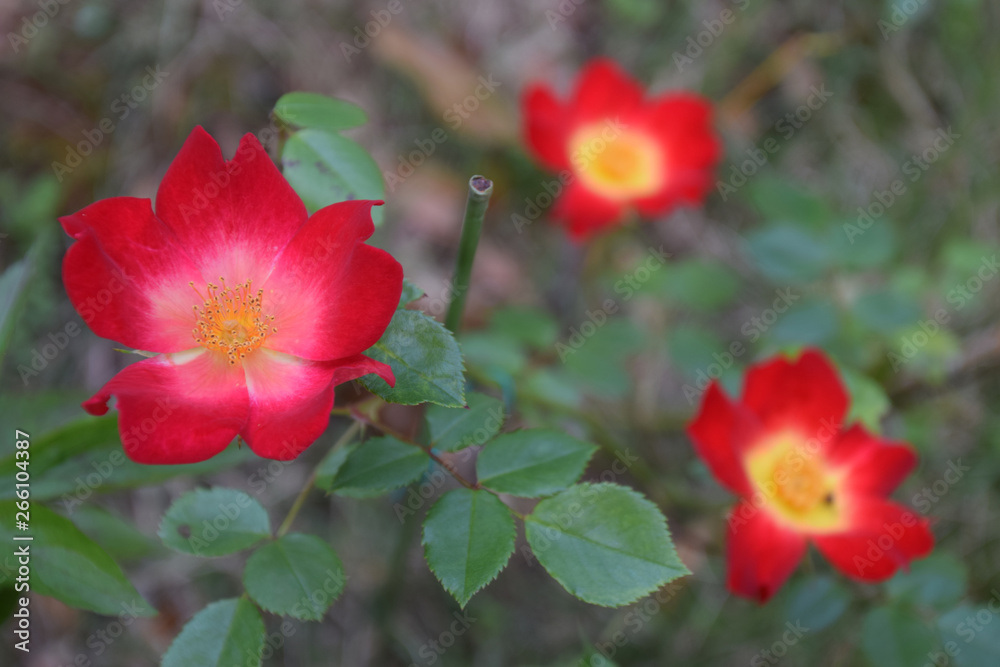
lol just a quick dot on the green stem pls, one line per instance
(480, 189)
(345, 438)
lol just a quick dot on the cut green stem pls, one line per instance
(480, 189)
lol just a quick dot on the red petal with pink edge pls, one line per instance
(584, 212)
(761, 554)
(873, 466)
(719, 431)
(176, 412)
(128, 277)
(234, 217)
(545, 127)
(604, 91)
(291, 398)
(805, 395)
(884, 537)
(331, 295)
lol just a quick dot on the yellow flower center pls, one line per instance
(792, 482)
(617, 163)
(230, 320)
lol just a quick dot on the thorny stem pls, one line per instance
(388, 430)
(345, 438)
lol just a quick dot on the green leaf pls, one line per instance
(223, 634)
(452, 429)
(787, 253)
(873, 248)
(296, 575)
(895, 637)
(533, 463)
(320, 112)
(599, 362)
(331, 464)
(533, 327)
(808, 323)
(886, 311)
(468, 539)
(972, 642)
(116, 535)
(214, 522)
(378, 466)
(69, 566)
(869, 402)
(326, 168)
(604, 543)
(425, 360)
(700, 284)
(12, 285)
(410, 293)
(494, 353)
(938, 581)
(778, 199)
(817, 602)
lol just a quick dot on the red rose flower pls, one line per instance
(256, 309)
(803, 477)
(616, 149)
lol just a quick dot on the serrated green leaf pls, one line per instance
(452, 429)
(817, 602)
(378, 466)
(296, 575)
(326, 168)
(938, 581)
(301, 109)
(533, 463)
(425, 359)
(214, 522)
(468, 539)
(331, 464)
(223, 634)
(410, 293)
(69, 566)
(895, 637)
(604, 543)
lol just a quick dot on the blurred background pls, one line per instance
(855, 210)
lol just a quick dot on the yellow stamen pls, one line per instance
(231, 320)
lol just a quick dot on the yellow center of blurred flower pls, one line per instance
(230, 320)
(617, 163)
(792, 482)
